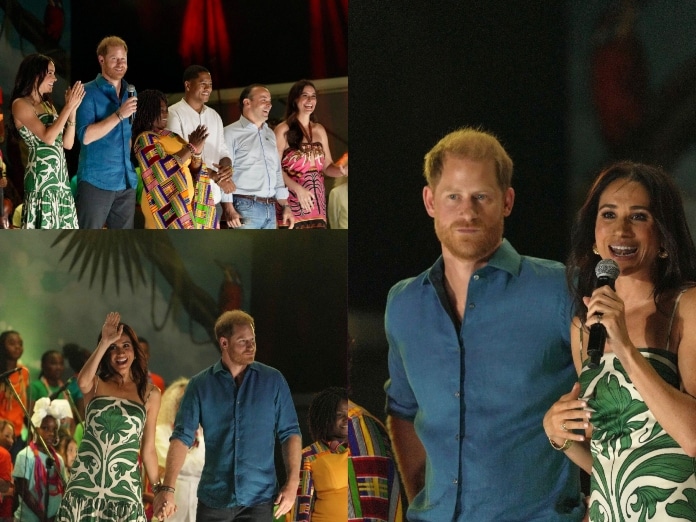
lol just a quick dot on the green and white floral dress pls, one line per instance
(105, 481)
(48, 201)
(639, 473)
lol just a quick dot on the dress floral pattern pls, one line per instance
(48, 201)
(105, 481)
(639, 472)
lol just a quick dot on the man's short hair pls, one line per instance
(224, 326)
(472, 144)
(192, 72)
(110, 41)
(246, 93)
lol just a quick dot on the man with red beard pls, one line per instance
(106, 179)
(478, 351)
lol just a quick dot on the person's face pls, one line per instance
(469, 208)
(122, 354)
(198, 90)
(258, 105)
(49, 430)
(14, 346)
(160, 122)
(7, 437)
(307, 101)
(53, 367)
(46, 85)
(115, 64)
(70, 453)
(340, 428)
(240, 348)
(625, 229)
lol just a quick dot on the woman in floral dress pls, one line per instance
(631, 420)
(48, 201)
(105, 479)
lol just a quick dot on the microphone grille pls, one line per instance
(131, 87)
(607, 268)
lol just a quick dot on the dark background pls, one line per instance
(420, 70)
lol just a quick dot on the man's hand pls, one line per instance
(223, 177)
(285, 499)
(163, 505)
(229, 214)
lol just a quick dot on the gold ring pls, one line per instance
(563, 427)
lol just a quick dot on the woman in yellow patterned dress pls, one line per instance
(48, 201)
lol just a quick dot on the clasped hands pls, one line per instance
(163, 505)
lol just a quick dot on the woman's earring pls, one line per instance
(594, 249)
(662, 253)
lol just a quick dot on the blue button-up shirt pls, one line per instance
(240, 426)
(477, 394)
(255, 160)
(106, 162)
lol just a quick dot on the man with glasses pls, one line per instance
(241, 405)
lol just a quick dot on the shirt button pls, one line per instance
(472, 306)
(456, 437)
(476, 277)
(455, 481)
(456, 394)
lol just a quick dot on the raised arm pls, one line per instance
(111, 332)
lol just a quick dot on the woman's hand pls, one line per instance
(74, 96)
(198, 136)
(112, 330)
(305, 198)
(567, 414)
(606, 307)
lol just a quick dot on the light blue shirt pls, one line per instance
(255, 160)
(477, 395)
(106, 162)
(241, 426)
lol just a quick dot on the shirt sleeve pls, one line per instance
(188, 416)
(86, 115)
(287, 424)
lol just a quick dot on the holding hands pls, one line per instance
(223, 177)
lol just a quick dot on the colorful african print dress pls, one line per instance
(105, 480)
(48, 201)
(638, 471)
(306, 168)
(175, 200)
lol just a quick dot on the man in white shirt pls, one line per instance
(257, 174)
(192, 111)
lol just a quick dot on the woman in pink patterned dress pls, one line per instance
(303, 146)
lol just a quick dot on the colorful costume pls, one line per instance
(306, 168)
(30, 465)
(105, 479)
(375, 489)
(639, 472)
(322, 495)
(9, 407)
(175, 201)
(48, 201)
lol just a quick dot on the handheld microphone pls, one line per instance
(131, 93)
(6, 374)
(60, 390)
(607, 271)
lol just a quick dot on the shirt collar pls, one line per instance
(504, 258)
(219, 367)
(246, 123)
(205, 107)
(104, 84)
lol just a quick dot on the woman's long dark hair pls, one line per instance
(294, 134)
(669, 274)
(138, 368)
(32, 71)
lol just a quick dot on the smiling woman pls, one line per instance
(175, 181)
(120, 419)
